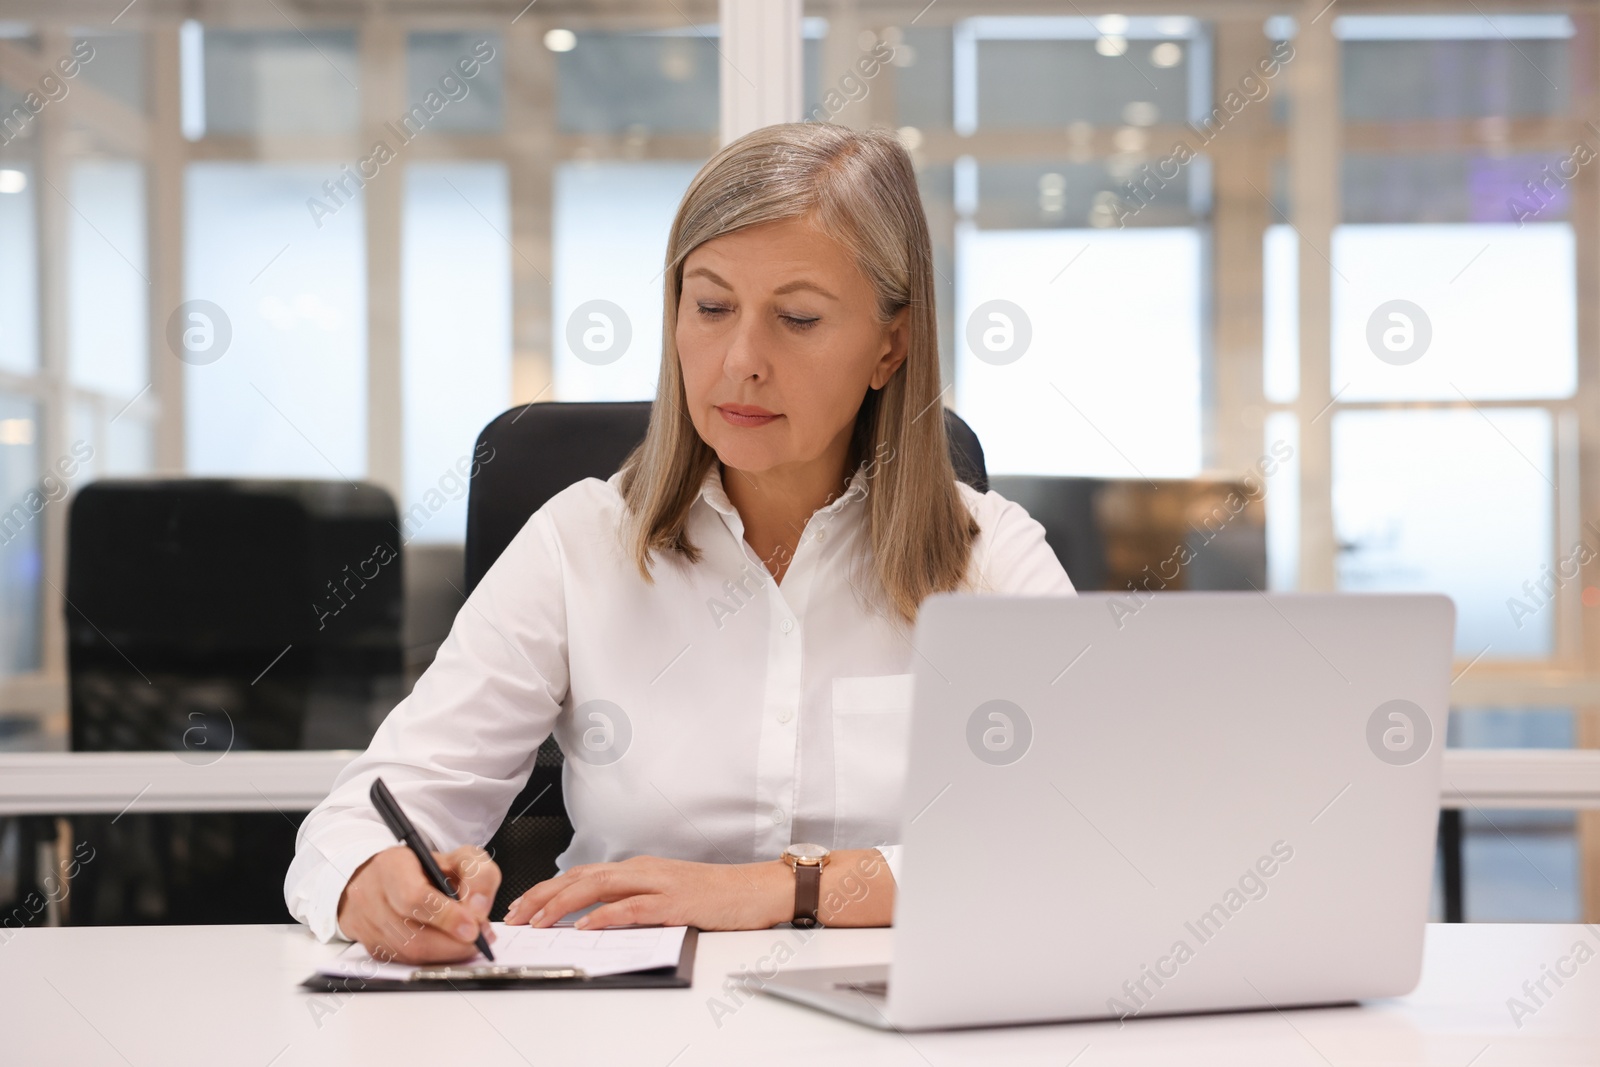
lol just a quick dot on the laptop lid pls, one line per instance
(1122, 806)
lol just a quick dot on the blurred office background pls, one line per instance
(1185, 317)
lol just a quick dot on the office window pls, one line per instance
(1032, 72)
(117, 67)
(287, 396)
(126, 444)
(1492, 184)
(19, 268)
(1067, 194)
(440, 63)
(610, 240)
(1109, 381)
(1496, 312)
(1280, 311)
(108, 286)
(642, 105)
(644, 82)
(21, 535)
(1283, 504)
(1047, 232)
(456, 335)
(1451, 423)
(273, 81)
(1451, 500)
(924, 74)
(1454, 291)
(1455, 66)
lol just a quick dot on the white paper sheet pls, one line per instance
(597, 952)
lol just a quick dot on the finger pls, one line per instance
(519, 910)
(412, 942)
(580, 892)
(643, 909)
(605, 883)
(411, 898)
(475, 876)
(535, 899)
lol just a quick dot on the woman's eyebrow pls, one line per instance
(788, 287)
(803, 284)
(707, 272)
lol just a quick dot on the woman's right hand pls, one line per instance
(393, 910)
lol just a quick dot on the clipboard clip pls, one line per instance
(492, 971)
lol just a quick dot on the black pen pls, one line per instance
(389, 808)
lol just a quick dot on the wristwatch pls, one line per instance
(807, 861)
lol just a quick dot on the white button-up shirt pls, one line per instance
(714, 715)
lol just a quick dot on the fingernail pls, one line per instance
(479, 902)
(466, 931)
(581, 923)
(535, 917)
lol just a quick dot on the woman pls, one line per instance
(719, 635)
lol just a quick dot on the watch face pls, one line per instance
(806, 851)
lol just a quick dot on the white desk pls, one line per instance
(155, 995)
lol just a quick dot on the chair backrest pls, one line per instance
(204, 583)
(536, 450)
(205, 615)
(527, 455)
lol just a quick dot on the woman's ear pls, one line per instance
(897, 340)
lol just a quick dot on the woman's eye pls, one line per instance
(795, 322)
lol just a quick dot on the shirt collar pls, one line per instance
(713, 493)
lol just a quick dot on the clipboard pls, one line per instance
(494, 976)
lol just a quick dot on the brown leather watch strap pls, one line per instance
(807, 893)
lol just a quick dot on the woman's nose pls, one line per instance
(747, 352)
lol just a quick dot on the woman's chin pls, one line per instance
(741, 457)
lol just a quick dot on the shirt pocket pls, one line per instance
(871, 734)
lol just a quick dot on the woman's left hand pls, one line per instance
(649, 890)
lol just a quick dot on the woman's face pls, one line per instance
(779, 340)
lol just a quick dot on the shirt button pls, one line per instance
(788, 625)
(785, 715)
(822, 534)
(777, 816)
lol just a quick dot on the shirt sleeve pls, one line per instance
(1013, 558)
(457, 750)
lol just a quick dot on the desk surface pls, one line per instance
(227, 994)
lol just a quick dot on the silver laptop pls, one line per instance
(1124, 806)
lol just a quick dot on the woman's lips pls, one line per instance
(743, 416)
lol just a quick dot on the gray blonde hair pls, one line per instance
(859, 187)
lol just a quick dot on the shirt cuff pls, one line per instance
(316, 899)
(891, 857)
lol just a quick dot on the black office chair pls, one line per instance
(206, 616)
(539, 450)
